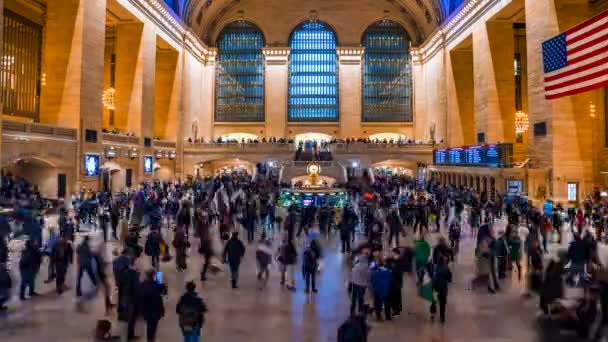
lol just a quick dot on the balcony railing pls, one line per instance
(240, 148)
(379, 148)
(164, 144)
(120, 139)
(38, 130)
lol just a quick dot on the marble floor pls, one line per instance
(275, 314)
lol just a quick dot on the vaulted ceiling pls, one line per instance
(349, 18)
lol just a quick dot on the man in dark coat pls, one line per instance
(151, 303)
(29, 265)
(152, 247)
(61, 257)
(128, 288)
(233, 254)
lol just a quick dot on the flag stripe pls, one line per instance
(578, 91)
(572, 72)
(585, 46)
(592, 29)
(584, 84)
(584, 27)
(580, 40)
(590, 56)
(585, 52)
(568, 81)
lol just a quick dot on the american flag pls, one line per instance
(576, 61)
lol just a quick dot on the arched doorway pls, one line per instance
(50, 179)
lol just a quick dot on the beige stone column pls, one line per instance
(494, 80)
(567, 149)
(73, 59)
(208, 96)
(461, 111)
(144, 91)
(418, 93)
(350, 90)
(275, 94)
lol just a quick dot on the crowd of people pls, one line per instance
(387, 230)
(275, 140)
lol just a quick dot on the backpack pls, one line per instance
(102, 330)
(189, 319)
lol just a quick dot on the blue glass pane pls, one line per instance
(313, 73)
(387, 80)
(239, 85)
(450, 6)
(172, 4)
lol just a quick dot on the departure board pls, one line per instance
(490, 155)
(440, 157)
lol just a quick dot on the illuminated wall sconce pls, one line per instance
(133, 153)
(111, 152)
(172, 155)
(591, 109)
(160, 154)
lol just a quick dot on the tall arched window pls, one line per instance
(239, 83)
(313, 73)
(387, 80)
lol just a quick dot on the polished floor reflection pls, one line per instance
(275, 314)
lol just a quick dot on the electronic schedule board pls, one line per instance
(489, 155)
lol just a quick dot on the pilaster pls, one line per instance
(276, 83)
(350, 90)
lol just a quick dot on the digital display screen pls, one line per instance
(307, 202)
(475, 155)
(491, 155)
(148, 164)
(440, 156)
(455, 155)
(91, 165)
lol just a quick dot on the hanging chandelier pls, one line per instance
(109, 98)
(521, 122)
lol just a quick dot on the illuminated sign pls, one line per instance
(148, 164)
(91, 164)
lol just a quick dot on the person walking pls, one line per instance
(151, 303)
(310, 265)
(287, 255)
(263, 257)
(395, 264)
(380, 281)
(61, 257)
(85, 264)
(191, 311)
(180, 243)
(6, 284)
(233, 255)
(442, 277)
(152, 247)
(29, 265)
(128, 288)
(359, 281)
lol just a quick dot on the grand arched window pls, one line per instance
(387, 80)
(239, 84)
(313, 73)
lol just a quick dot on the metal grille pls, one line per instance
(387, 81)
(313, 73)
(20, 66)
(239, 92)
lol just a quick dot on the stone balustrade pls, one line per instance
(109, 138)
(31, 129)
